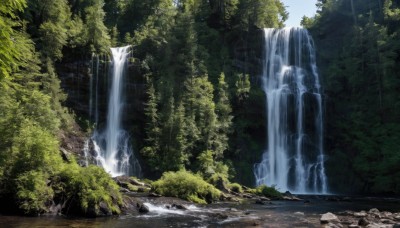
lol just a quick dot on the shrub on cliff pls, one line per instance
(186, 185)
(266, 191)
(235, 187)
(90, 191)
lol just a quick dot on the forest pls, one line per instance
(202, 108)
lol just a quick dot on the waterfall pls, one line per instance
(112, 145)
(294, 157)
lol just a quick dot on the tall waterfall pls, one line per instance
(112, 145)
(294, 158)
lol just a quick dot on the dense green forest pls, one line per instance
(204, 109)
(358, 45)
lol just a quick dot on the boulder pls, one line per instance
(329, 218)
(258, 201)
(376, 225)
(363, 222)
(143, 208)
(104, 209)
(152, 194)
(387, 221)
(287, 193)
(179, 206)
(361, 214)
(333, 225)
(298, 213)
(222, 185)
(373, 211)
(66, 156)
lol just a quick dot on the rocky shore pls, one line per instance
(370, 219)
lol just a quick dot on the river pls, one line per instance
(304, 213)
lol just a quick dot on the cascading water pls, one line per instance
(112, 146)
(294, 158)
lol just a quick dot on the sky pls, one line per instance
(297, 9)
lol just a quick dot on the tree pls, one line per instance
(224, 118)
(9, 52)
(261, 13)
(96, 32)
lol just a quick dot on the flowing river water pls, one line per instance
(304, 213)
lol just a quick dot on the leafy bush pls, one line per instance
(266, 191)
(87, 187)
(185, 185)
(235, 187)
(33, 193)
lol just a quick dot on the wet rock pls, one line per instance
(220, 216)
(333, 225)
(347, 199)
(361, 214)
(258, 201)
(298, 213)
(291, 198)
(348, 213)
(264, 198)
(136, 182)
(396, 225)
(387, 221)
(152, 194)
(301, 223)
(179, 206)
(346, 221)
(123, 190)
(373, 211)
(287, 193)
(329, 218)
(143, 208)
(363, 222)
(387, 215)
(104, 209)
(354, 226)
(232, 209)
(122, 181)
(55, 209)
(66, 156)
(248, 196)
(333, 199)
(222, 185)
(376, 225)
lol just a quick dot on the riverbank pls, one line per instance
(168, 211)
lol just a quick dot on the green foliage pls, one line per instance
(266, 191)
(33, 194)
(33, 149)
(9, 52)
(185, 185)
(96, 32)
(362, 84)
(235, 187)
(262, 13)
(88, 187)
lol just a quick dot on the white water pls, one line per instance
(294, 158)
(112, 146)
